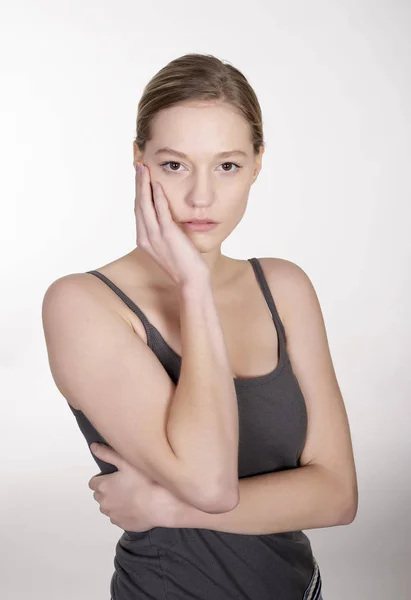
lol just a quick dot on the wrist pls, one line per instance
(180, 514)
(170, 511)
(195, 287)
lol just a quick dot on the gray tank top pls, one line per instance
(187, 563)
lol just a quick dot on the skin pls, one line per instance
(199, 185)
(323, 492)
(202, 185)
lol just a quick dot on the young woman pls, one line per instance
(207, 379)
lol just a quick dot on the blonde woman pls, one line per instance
(207, 380)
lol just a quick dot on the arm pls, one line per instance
(323, 491)
(103, 368)
(304, 498)
(203, 421)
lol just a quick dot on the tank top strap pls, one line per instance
(129, 302)
(151, 330)
(268, 298)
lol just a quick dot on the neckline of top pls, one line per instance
(241, 381)
(158, 340)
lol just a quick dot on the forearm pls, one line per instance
(303, 498)
(202, 427)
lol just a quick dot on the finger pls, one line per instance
(162, 206)
(147, 205)
(97, 496)
(142, 234)
(106, 453)
(96, 480)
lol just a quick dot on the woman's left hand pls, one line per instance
(132, 500)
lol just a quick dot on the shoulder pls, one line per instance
(78, 292)
(70, 286)
(67, 296)
(281, 269)
(290, 285)
(84, 283)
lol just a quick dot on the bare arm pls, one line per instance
(203, 423)
(323, 490)
(101, 366)
(308, 497)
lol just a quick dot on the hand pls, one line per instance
(131, 500)
(160, 236)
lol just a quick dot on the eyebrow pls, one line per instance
(168, 150)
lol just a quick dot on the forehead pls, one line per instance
(201, 127)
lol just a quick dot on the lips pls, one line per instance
(196, 226)
(200, 221)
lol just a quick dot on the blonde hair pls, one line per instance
(198, 77)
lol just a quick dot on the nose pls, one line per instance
(201, 191)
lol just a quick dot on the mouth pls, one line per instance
(200, 226)
(201, 221)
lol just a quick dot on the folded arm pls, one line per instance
(304, 498)
(322, 491)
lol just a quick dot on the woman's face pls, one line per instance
(201, 184)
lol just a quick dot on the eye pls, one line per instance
(238, 167)
(171, 162)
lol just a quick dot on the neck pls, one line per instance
(222, 269)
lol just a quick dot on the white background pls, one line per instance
(333, 80)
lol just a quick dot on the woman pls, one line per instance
(226, 434)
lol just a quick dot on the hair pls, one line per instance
(199, 77)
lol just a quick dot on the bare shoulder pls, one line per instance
(77, 287)
(73, 286)
(66, 286)
(281, 269)
(289, 284)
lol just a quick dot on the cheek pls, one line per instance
(232, 210)
(239, 212)
(236, 198)
(171, 187)
(231, 197)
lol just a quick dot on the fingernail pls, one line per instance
(94, 446)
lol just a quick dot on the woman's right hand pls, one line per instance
(160, 236)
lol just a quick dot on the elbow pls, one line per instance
(348, 516)
(348, 508)
(227, 501)
(217, 500)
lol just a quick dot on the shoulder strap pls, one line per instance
(132, 305)
(268, 295)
